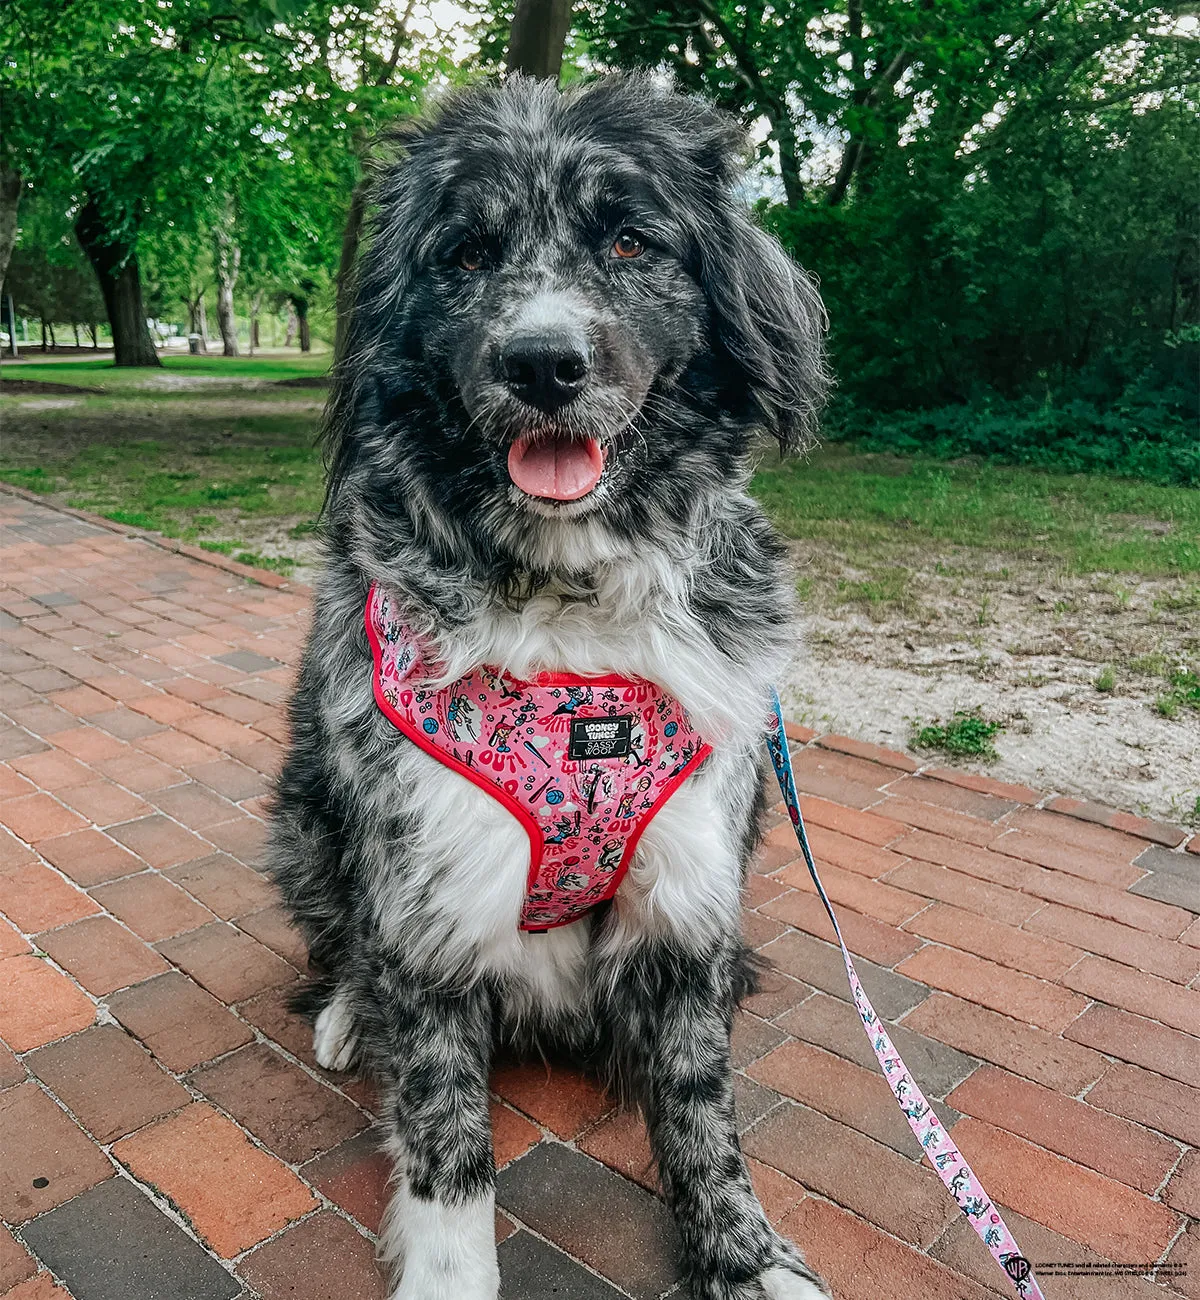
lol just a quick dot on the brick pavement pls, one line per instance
(166, 1132)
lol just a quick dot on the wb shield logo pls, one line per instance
(1017, 1267)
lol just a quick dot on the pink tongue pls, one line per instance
(558, 469)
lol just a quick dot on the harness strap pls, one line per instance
(946, 1159)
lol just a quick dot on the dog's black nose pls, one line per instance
(545, 370)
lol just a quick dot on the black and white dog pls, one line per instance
(567, 334)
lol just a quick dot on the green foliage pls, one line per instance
(1106, 681)
(967, 735)
(1183, 692)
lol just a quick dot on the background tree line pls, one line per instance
(998, 196)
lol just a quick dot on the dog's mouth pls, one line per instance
(555, 466)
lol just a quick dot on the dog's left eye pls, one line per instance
(470, 256)
(628, 244)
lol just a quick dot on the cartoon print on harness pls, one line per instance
(588, 810)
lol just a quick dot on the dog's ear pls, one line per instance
(769, 318)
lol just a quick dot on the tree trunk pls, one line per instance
(95, 340)
(43, 336)
(75, 327)
(10, 197)
(293, 322)
(203, 324)
(301, 306)
(116, 266)
(345, 276)
(53, 340)
(228, 260)
(255, 305)
(539, 32)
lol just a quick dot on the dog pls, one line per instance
(567, 336)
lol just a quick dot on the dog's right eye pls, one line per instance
(470, 256)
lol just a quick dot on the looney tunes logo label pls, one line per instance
(600, 738)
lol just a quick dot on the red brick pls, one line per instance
(195, 805)
(159, 841)
(35, 898)
(166, 709)
(40, 1004)
(119, 686)
(244, 838)
(862, 1263)
(777, 993)
(797, 734)
(53, 770)
(16, 1263)
(864, 935)
(1057, 856)
(12, 852)
(512, 1134)
(620, 1141)
(1183, 1191)
(11, 784)
(1191, 936)
(110, 1083)
(564, 1101)
(90, 744)
(1108, 1216)
(102, 955)
(178, 1021)
(844, 1165)
(178, 750)
(1193, 845)
(839, 778)
(984, 785)
(1012, 994)
(41, 1287)
(11, 1070)
(355, 1176)
(931, 881)
(1185, 1256)
(224, 885)
(873, 753)
(273, 927)
(234, 1194)
(777, 1193)
(847, 888)
(11, 942)
(832, 848)
(1139, 1041)
(35, 817)
(1123, 1151)
(1159, 832)
(760, 889)
(230, 964)
(931, 817)
(1166, 957)
(1122, 986)
(1081, 834)
(921, 788)
(837, 1088)
(89, 857)
(966, 858)
(1032, 1053)
(39, 1142)
(1172, 1108)
(139, 772)
(82, 701)
(867, 826)
(194, 691)
(323, 1258)
(752, 1038)
(1112, 904)
(999, 943)
(151, 906)
(234, 780)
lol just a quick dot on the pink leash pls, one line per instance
(940, 1151)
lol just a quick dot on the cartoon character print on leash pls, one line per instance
(583, 764)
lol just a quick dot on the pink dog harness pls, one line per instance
(583, 763)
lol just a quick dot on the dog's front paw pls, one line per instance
(427, 1279)
(784, 1282)
(334, 1040)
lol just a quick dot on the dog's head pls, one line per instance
(566, 314)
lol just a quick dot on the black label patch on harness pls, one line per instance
(600, 738)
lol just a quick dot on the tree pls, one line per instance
(539, 32)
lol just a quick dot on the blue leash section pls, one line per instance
(943, 1156)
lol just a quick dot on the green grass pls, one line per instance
(868, 504)
(1106, 681)
(967, 735)
(131, 381)
(1183, 692)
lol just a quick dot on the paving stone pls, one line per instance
(11, 1070)
(111, 1084)
(41, 1287)
(355, 1176)
(178, 1021)
(273, 927)
(1166, 957)
(323, 1258)
(1171, 888)
(533, 1270)
(227, 962)
(618, 1229)
(565, 1101)
(89, 857)
(820, 964)
(1140, 1042)
(35, 898)
(247, 661)
(850, 1168)
(234, 780)
(159, 841)
(224, 885)
(287, 1110)
(1133, 990)
(16, 1263)
(152, 906)
(39, 1004)
(864, 935)
(113, 1243)
(835, 1025)
(35, 817)
(1163, 1104)
(102, 955)
(194, 805)
(235, 1194)
(621, 1142)
(47, 1157)
(752, 1038)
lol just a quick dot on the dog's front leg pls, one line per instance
(440, 1225)
(678, 1010)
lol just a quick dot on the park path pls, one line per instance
(165, 1129)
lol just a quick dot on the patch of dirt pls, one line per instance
(1025, 644)
(39, 388)
(303, 381)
